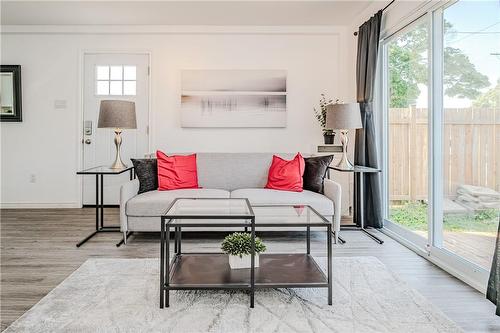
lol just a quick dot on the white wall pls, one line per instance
(46, 144)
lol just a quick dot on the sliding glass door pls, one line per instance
(407, 131)
(441, 88)
(470, 199)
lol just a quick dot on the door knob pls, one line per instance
(88, 141)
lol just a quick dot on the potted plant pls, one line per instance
(320, 114)
(238, 246)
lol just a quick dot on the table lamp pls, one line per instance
(118, 115)
(343, 117)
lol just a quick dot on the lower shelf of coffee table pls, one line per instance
(212, 271)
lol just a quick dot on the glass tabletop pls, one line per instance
(223, 208)
(288, 215)
(103, 170)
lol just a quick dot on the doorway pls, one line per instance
(113, 76)
(441, 169)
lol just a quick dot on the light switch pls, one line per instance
(60, 104)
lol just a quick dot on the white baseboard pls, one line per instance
(28, 205)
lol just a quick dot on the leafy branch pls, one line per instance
(320, 113)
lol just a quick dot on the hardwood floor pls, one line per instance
(38, 252)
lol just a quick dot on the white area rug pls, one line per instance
(122, 295)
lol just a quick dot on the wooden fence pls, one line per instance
(470, 151)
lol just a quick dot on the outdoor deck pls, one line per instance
(477, 247)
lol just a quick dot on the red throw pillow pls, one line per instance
(286, 175)
(177, 171)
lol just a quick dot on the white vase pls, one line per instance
(235, 262)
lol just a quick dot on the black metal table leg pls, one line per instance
(179, 250)
(329, 250)
(360, 180)
(97, 208)
(162, 263)
(308, 240)
(252, 267)
(175, 239)
(99, 200)
(167, 265)
(361, 209)
(96, 202)
(102, 201)
(86, 238)
(341, 240)
(375, 238)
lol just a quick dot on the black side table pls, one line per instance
(99, 173)
(359, 171)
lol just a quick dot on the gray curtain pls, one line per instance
(493, 292)
(365, 152)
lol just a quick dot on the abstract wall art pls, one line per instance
(233, 98)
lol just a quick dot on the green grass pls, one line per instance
(413, 215)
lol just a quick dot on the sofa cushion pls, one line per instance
(264, 196)
(315, 172)
(155, 203)
(147, 173)
(232, 171)
(176, 172)
(286, 175)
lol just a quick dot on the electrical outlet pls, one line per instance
(32, 178)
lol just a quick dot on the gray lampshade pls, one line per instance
(343, 116)
(117, 114)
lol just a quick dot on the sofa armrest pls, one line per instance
(127, 192)
(333, 191)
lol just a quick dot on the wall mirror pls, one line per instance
(10, 93)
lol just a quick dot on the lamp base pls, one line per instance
(118, 163)
(344, 162)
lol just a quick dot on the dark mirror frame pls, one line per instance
(16, 71)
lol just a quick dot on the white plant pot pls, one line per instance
(235, 262)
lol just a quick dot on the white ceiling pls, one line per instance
(306, 12)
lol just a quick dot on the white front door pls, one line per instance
(113, 77)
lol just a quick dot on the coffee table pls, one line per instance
(193, 271)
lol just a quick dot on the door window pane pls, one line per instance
(102, 72)
(116, 72)
(129, 72)
(408, 129)
(102, 88)
(471, 130)
(115, 88)
(116, 80)
(129, 87)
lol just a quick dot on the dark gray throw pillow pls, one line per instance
(147, 172)
(315, 172)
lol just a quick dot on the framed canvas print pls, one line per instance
(10, 93)
(233, 98)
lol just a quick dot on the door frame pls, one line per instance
(81, 97)
(467, 271)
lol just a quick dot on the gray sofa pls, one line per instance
(224, 175)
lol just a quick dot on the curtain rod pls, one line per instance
(390, 3)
